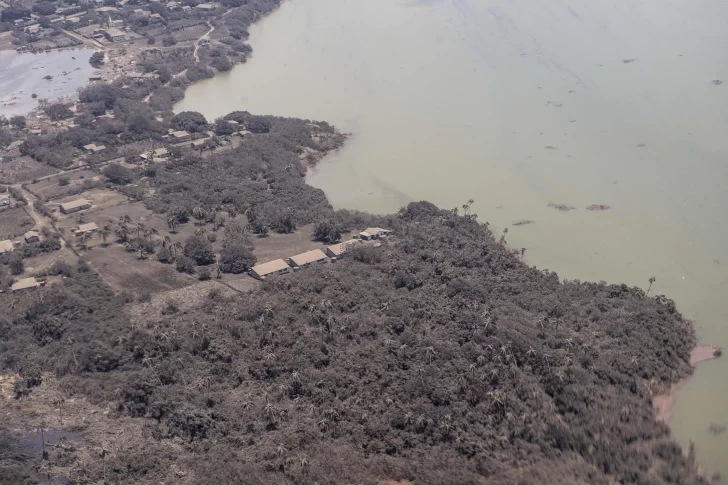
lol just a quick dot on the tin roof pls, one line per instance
(270, 267)
(308, 257)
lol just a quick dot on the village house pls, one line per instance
(374, 233)
(114, 35)
(160, 154)
(95, 77)
(26, 284)
(92, 148)
(180, 136)
(6, 246)
(31, 236)
(4, 202)
(155, 18)
(206, 7)
(186, 8)
(337, 250)
(88, 229)
(75, 206)
(270, 268)
(315, 256)
(35, 132)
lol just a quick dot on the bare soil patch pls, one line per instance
(174, 301)
(124, 271)
(14, 222)
(39, 264)
(51, 188)
(22, 169)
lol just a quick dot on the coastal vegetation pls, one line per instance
(437, 358)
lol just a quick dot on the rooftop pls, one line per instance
(180, 134)
(308, 257)
(342, 247)
(270, 267)
(74, 203)
(6, 246)
(91, 226)
(25, 284)
(375, 230)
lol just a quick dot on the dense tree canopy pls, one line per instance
(190, 121)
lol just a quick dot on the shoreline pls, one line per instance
(664, 402)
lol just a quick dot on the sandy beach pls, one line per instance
(665, 402)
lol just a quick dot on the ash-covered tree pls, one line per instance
(44, 8)
(223, 127)
(58, 111)
(199, 249)
(190, 121)
(97, 59)
(118, 174)
(327, 232)
(14, 12)
(17, 121)
(236, 258)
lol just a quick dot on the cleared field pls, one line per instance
(22, 169)
(38, 264)
(275, 246)
(124, 271)
(175, 301)
(101, 200)
(14, 223)
(51, 188)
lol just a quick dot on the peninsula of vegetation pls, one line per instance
(135, 347)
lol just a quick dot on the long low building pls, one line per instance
(88, 228)
(315, 256)
(277, 266)
(75, 206)
(374, 233)
(338, 250)
(24, 285)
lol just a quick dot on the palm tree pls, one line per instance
(172, 224)
(652, 280)
(125, 219)
(430, 351)
(167, 242)
(105, 233)
(84, 238)
(139, 229)
(503, 237)
(122, 232)
(466, 207)
(175, 246)
(200, 231)
(151, 233)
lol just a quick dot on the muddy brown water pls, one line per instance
(518, 104)
(21, 75)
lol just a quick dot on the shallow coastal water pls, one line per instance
(518, 104)
(21, 75)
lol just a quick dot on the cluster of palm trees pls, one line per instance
(144, 237)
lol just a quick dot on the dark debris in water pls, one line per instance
(628, 61)
(597, 207)
(716, 429)
(522, 223)
(716, 82)
(561, 207)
